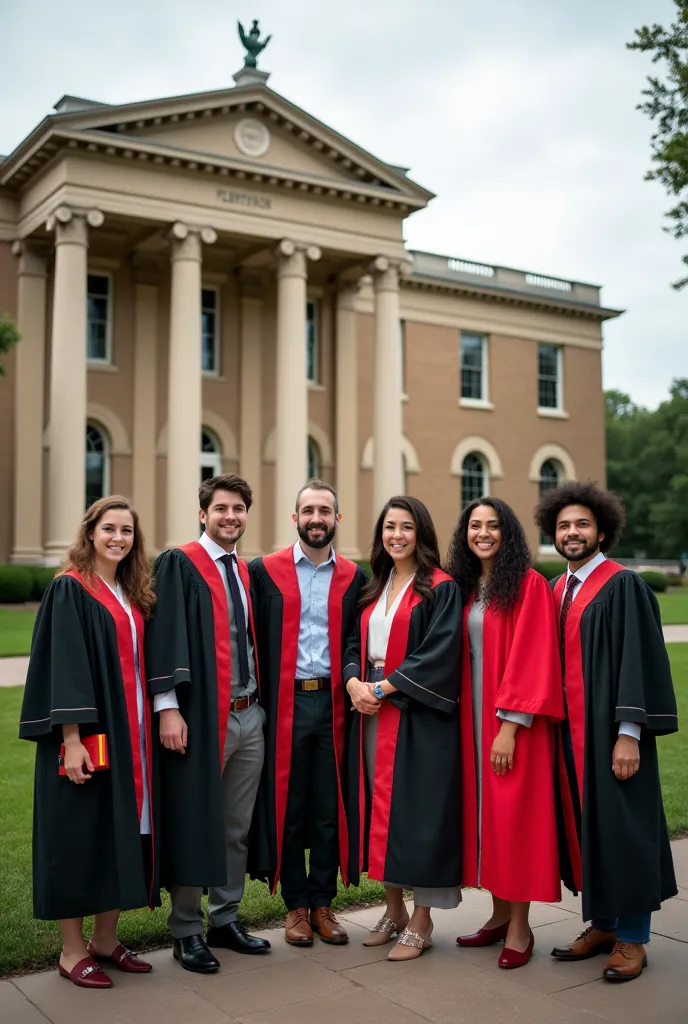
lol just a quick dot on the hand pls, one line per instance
(625, 758)
(75, 757)
(502, 753)
(173, 730)
(362, 697)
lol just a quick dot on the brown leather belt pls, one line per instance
(241, 703)
(313, 684)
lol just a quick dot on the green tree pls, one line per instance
(9, 336)
(666, 103)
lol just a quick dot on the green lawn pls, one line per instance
(674, 606)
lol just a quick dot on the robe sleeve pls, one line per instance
(352, 654)
(431, 674)
(645, 691)
(59, 686)
(531, 682)
(167, 644)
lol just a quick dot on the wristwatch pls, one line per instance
(378, 691)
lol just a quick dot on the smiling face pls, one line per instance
(577, 536)
(225, 520)
(316, 520)
(399, 535)
(484, 534)
(113, 538)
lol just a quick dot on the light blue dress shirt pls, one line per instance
(313, 657)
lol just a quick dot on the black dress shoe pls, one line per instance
(234, 936)
(193, 954)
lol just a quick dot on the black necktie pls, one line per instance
(239, 617)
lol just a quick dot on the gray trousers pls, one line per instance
(243, 763)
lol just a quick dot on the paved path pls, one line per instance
(356, 985)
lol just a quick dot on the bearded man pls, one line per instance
(305, 599)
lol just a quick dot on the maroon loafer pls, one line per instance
(123, 959)
(484, 937)
(86, 974)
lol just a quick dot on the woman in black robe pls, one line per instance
(93, 829)
(402, 671)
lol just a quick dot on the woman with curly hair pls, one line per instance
(85, 707)
(402, 672)
(511, 693)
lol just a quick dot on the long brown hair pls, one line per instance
(133, 572)
(427, 551)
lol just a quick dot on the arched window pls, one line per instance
(211, 455)
(97, 464)
(551, 474)
(314, 459)
(473, 478)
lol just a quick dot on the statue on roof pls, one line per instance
(252, 43)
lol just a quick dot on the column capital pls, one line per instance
(386, 272)
(31, 259)
(347, 291)
(292, 257)
(187, 240)
(74, 222)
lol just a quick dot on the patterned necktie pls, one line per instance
(229, 562)
(571, 585)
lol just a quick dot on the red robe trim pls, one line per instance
(517, 834)
(574, 686)
(125, 646)
(389, 717)
(281, 568)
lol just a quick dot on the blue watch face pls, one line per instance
(378, 691)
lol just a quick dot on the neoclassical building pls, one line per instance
(219, 282)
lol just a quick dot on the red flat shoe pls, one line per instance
(512, 958)
(86, 974)
(123, 959)
(484, 937)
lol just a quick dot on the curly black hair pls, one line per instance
(511, 563)
(606, 507)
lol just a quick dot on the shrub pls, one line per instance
(42, 578)
(16, 584)
(550, 570)
(656, 581)
(365, 565)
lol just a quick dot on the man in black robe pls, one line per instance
(619, 698)
(203, 680)
(305, 598)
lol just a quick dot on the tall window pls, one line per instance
(473, 478)
(550, 477)
(98, 318)
(312, 342)
(97, 464)
(211, 456)
(210, 330)
(549, 377)
(314, 460)
(473, 375)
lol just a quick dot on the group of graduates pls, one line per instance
(438, 726)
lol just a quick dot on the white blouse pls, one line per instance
(145, 822)
(381, 620)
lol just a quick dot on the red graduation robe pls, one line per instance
(517, 840)
(278, 612)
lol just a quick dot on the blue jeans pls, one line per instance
(628, 929)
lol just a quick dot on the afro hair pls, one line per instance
(605, 506)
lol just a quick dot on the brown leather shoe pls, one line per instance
(328, 927)
(626, 962)
(589, 943)
(297, 930)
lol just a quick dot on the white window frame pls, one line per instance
(549, 550)
(107, 359)
(486, 473)
(552, 412)
(484, 401)
(107, 452)
(314, 301)
(210, 458)
(207, 287)
(314, 447)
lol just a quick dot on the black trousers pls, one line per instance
(311, 820)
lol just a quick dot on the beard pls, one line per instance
(316, 542)
(220, 534)
(587, 551)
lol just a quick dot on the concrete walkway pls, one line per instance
(343, 985)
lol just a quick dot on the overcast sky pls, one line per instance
(519, 115)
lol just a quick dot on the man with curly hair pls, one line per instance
(620, 697)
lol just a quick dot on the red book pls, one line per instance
(97, 750)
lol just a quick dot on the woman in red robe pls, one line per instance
(511, 693)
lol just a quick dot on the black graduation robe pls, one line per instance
(88, 855)
(188, 647)
(409, 831)
(277, 601)
(614, 839)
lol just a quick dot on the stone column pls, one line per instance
(184, 402)
(27, 548)
(346, 427)
(250, 427)
(388, 472)
(291, 429)
(146, 299)
(67, 457)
